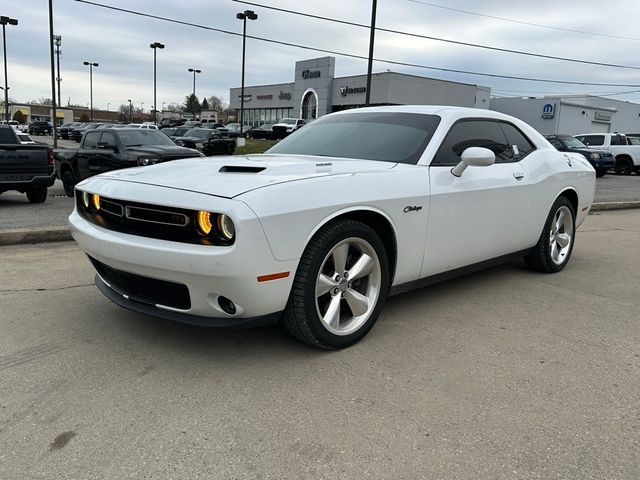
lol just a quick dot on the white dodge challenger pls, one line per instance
(320, 229)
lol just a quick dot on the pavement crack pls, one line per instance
(10, 290)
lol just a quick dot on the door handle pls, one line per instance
(518, 175)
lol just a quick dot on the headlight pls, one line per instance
(95, 201)
(595, 156)
(224, 231)
(85, 199)
(225, 227)
(143, 161)
(204, 223)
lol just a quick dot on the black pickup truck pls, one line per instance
(109, 149)
(25, 168)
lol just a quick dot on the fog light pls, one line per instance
(226, 305)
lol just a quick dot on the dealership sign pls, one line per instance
(344, 91)
(307, 74)
(547, 110)
(284, 95)
(264, 97)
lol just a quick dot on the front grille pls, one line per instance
(144, 289)
(148, 220)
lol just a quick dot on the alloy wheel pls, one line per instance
(561, 235)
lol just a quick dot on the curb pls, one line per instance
(60, 234)
(599, 207)
(34, 235)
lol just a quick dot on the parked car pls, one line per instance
(600, 160)
(25, 168)
(192, 124)
(40, 128)
(76, 133)
(144, 126)
(286, 126)
(111, 149)
(627, 156)
(263, 131)
(17, 126)
(174, 132)
(233, 130)
(65, 129)
(317, 232)
(207, 141)
(212, 125)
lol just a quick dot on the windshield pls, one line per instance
(136, 138)
(198, 132)
(384, 136)
(571, 142)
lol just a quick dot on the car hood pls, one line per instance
(230, 176)
(163, 151)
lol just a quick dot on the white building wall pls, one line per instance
(573, 114)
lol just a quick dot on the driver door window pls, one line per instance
(473, 133)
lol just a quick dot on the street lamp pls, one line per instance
(91, 65)
(57, 42)
(141, 112)
(130, 111)
(194, 70)
(108, 106)
(251, 15)
(4, 21)
(155, 46)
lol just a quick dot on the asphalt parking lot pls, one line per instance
(504, 374)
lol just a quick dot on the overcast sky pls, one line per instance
(119, 42)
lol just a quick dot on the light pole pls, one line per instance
(57, 42)
(141, 112)
(130, 111)
(91, 65)
(155, 46)
(370, 63)
(108, 106)
(4, 21)
(194, 70)
(251, 15)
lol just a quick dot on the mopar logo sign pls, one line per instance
(344, 91)
(547, 110)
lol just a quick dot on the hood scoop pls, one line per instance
(241, 169)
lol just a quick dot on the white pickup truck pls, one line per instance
(625, 150)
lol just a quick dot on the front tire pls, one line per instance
(68, 182)
(553, 250)
(340, 286)
(37, 194)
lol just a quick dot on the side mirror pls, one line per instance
(474, 157)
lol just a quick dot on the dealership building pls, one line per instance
(572, 114)
(316, 91)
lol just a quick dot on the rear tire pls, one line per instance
(553, 250)
(340, 286)
(37, 194)
(623, 167)
(68, 182)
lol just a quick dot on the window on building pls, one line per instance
(310, 106)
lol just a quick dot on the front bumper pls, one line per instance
(208, 272)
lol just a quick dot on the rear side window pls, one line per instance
(590, 140)
(520, 144)
(91, 140)
(618, 140)
(473, 133)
